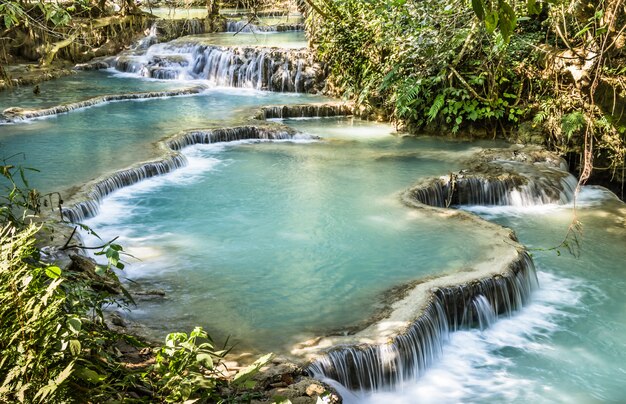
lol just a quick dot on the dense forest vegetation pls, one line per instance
(551, 72)
(547, 72)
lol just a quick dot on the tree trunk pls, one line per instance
(5, 76)
(212, 8)
(49, 51)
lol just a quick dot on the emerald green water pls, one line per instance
(272, 243)
(77, 147)
(80, 86)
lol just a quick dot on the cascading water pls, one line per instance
(306, 111)
(388, 367)
(89, 206)
(149, 40)
(484, 311)
(260, 68)
(403, 360)
(537, 187)
(247, 26)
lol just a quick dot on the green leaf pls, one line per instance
(434, 109)
(479, 9)
(508, 20)
(243, 377)
(75, 347)
(491, 21)
(533, 7)
(53, 272)
(205, 360)
(89, 375)
(74, 324)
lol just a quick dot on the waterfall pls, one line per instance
(547, 186)
(389, 366)
(228, 135)
(89, 206)
(289, 70)
(14, 114)
(484, 312)
(246, 26)
(149, 40)
(305, 111)
(408, 352)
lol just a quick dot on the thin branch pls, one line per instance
(89, 248)
(466, 85)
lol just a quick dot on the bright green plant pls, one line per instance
(17, 199)
(39, 341)
(186, 367)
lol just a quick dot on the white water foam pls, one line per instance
(475, 366)
(588, 196)
(118, 204)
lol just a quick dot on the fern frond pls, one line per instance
(572, 122)
(436, 107)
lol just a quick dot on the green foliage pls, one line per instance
(16, 13)
(572, 123)
(17, 199)
(187, 368)
(425, 63)
(12, 13)
(52, 337)
(38, 340)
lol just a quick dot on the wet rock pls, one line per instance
(149, 294)
(93, 65)
(528, 133)
(315, 389)
(280, 373)
(117, 320)
(86, 267)
(307, 390)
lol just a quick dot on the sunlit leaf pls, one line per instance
(53, 272)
